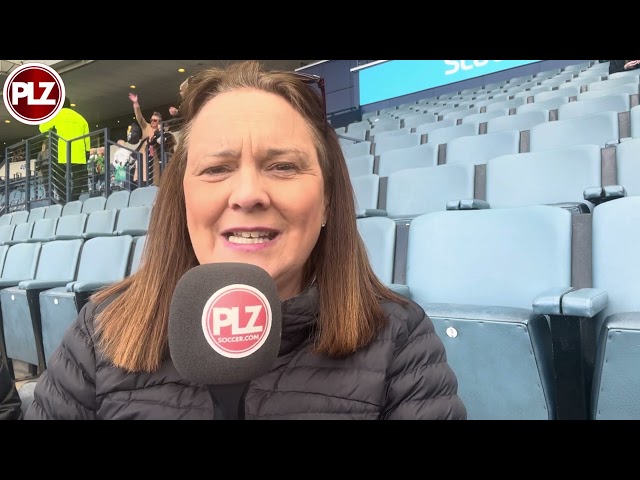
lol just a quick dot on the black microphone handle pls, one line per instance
(228, 400)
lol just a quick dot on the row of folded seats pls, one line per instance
(44, 285)
(578, 176)
(538, 306)
(117, 200)
(521, 133)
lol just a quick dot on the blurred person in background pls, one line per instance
(69, 124)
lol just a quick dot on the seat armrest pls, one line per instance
(41, 284)
(585, 302)
(371, 212)
(468, 204)
(549, 302)
(83, 287)
(598, 195)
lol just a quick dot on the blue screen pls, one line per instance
(402, 77)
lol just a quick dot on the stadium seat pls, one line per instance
(70, 226)
(416, 191)
(118, 200)
(20, 305)
(477, 149)
(133, 221)
(143, 196)
(93, 204)
(596, 128)
(100, 223)
(138, 250)
(555, 176)
(425, 155)
(616, 262)
(477, 274)
(628, 166)
(103, 261)
(72, 208)
(366, 191)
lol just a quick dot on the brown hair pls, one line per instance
(133, 328)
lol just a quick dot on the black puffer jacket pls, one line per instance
(403, 374)
(10, 403)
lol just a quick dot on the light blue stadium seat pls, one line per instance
(352, 150)
(477, 273)
(143, 196)
(5, 219)
(43, 230)
(366, 190)
(53, 211)
(70, 226)
(544, 105)
(379, 237)
(425, 155)
(360, 165)
(619, 102)
(100, 223)
(477, 149)
(428, 127)
(445, 134)
(416, 191)
(627, 89)
(20, 264)
(395, 141)
(133, 221)
(635, 121)
(520, 121)
(72, 208)
(93, 204)
(103, 261)
(20, 304)
(21, 216)
(118, 200)
(555, 176)
(416, 119)
(36, 214)
(138, 250)
(628, 166)
(614, 82)
(616, 263)
(566, 92)
(21, 233)
(6, 233)
(596, 128)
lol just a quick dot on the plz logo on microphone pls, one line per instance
(236, 320)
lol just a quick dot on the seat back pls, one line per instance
(477, 149)
(616, 262)
(361, 165)
(72, 208)
(628, 166)
(105, 259)
(365, 189)
(101, 222)
(379, 237)
(93, 204)
(416, 191)
(117, 200)
(44, 229)
(596, 128)
(133, 221)
(425, 155)
(59, 260)
(138, 250)
(21, 261)
(534, 178)
(72, 224)
(476, 274)
(53, 211)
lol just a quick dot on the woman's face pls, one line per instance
(254, 190)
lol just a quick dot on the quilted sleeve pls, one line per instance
(421, 384)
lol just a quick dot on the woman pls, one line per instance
(258, 178)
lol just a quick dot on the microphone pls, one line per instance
(225, 324)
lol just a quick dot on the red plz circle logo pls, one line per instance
(236, 320)
(33, 93)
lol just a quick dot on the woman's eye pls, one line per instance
(284, 167)
(216, 170)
